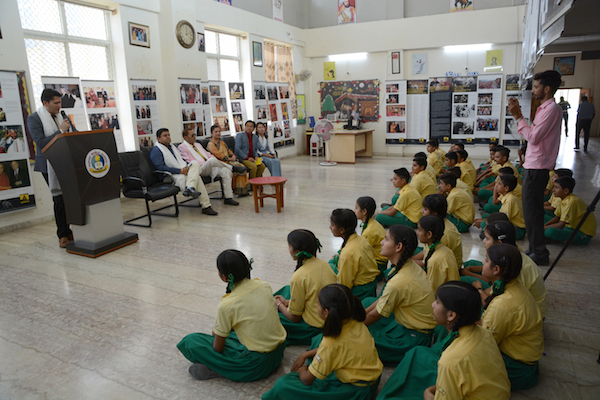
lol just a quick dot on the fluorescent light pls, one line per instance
(467, 47)
(348, 57)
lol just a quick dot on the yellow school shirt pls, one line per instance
(516, 323)
(435, 160)
(424, 184)
(374, 233)
(468, 161)
(472, 368)
(467, 174)
(518, 191)
(307, 281)
(550, 185)
(461, 206)
(352, 355)
(250, 310)
(512, 206)
(409, 296)
(431, 172)
(357, 265)
(453, 240)
(410, 203)
(571, 209)
(441, 267)
(463, 186)
(497, 167)
(442, 154)
(554, 201)
(531, 277)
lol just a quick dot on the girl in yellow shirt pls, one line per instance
(248, 340)
(466, 365)
(372, 230)
(297, 302)
(344, 365)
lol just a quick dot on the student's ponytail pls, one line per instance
(367, 203)
(344, 218)
(235, 266)
(463, 299)
(408, 238)
(434, 224)
(341, 305)
(508, 258)
(305, 243)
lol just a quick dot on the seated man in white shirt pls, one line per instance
(187, 176)
(209, 165)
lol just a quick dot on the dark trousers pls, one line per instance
(584, 124)
(534, 184)
(60, 214)
(566, 118)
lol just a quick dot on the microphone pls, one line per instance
(64, 115)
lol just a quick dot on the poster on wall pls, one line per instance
(489, 100)
(145, 111)
(278, 10)
(16, 183)
(193, 105)
(260, 101)
(464, 107)
(71, 99)
(513, 91)
(340, 98)
(101, 106)
(329, 71)
(417, 109)
(346, 12)
(218, 105)
(395, 112)
(419, 64)
(238, 105)
(301, 102)
(493, 61)
(440, 108)
(461, 5)
(274, 116)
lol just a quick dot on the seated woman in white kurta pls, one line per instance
(269, 158)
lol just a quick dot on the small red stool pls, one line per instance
(257, 189)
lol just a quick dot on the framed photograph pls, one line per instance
(565, 65)
(139, 35)
(257, 54)
(395, 62)
(201, 45)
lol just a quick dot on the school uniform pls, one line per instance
(461, 211)
(423, 183)
(570, 210)
(463, 186)
(357, 268)
(346, 367)
(554, 202)
(550, 185)
(515, 322)
(408, 207)
(255, 342)
(467, 174)
(442, 154)
(470, 367)
(490, 207)
(374, 232)
(436, 161)
(453, 240)
(532, 278)
(408, 296)
(441, 267)
(432, 173)
(497, 168)
(512, 206)
(303, 291)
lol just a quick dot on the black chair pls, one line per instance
(142, 181)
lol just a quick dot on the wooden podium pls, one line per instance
(87, 168)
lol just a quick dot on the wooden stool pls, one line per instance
(257, 189)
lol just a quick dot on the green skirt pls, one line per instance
(413, 375)
(289, 387)
(299, 333)
(521, 376)
(461, 225)
(236, 362)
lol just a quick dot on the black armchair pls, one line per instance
(142, 181)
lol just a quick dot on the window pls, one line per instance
(64, 39)
(222, 57)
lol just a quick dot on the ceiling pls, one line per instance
(582, 29)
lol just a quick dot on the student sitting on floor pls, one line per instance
(439, 262)
(460, 183)
(461, 146)
(434, 158)
(466, 365)
(450, 159)
(468, 172)
(549, 186)
(512, 316)
(345, 365)
(486, 180)
(420, 180)
(248, 340)
(428, 168)
(401, 318)
(495, 200)
(553, 201)
(461, 211)
(490, 162)
(354, 265)
(407, 209)
(372, 230)
(512, 206)
(297, 303)
(531, 276)
(442, 154)
(568, 215)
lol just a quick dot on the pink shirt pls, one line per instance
(543, 136)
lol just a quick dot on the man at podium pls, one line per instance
(44, 125)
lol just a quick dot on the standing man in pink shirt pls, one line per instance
(543, 142)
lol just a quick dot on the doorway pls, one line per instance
(572, 97)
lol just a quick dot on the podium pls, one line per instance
(87, 167)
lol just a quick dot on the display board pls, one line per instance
(194, 104)
(340, 98)
(101, 108)
(260, 102)
(217, 95)
(237, 100)
(440, 106)
(395, 112)
(71, 99)
(145, 111)
(417, 109)
(513, 90)
(489, 111)
(16, 179)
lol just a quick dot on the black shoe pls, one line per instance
(191, 192)
(575, 148)
(231, 202)
(383, 205)
(240, 169)
(202, 372)
(529, 252)
(209, 211)
(585, 149)
(541, 261)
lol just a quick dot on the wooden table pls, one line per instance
(346, 145)
(257, 189)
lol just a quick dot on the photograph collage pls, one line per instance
(194, 105)
(146, 112)
(395, 99)
(101, 105)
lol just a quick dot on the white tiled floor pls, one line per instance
(106, 328)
